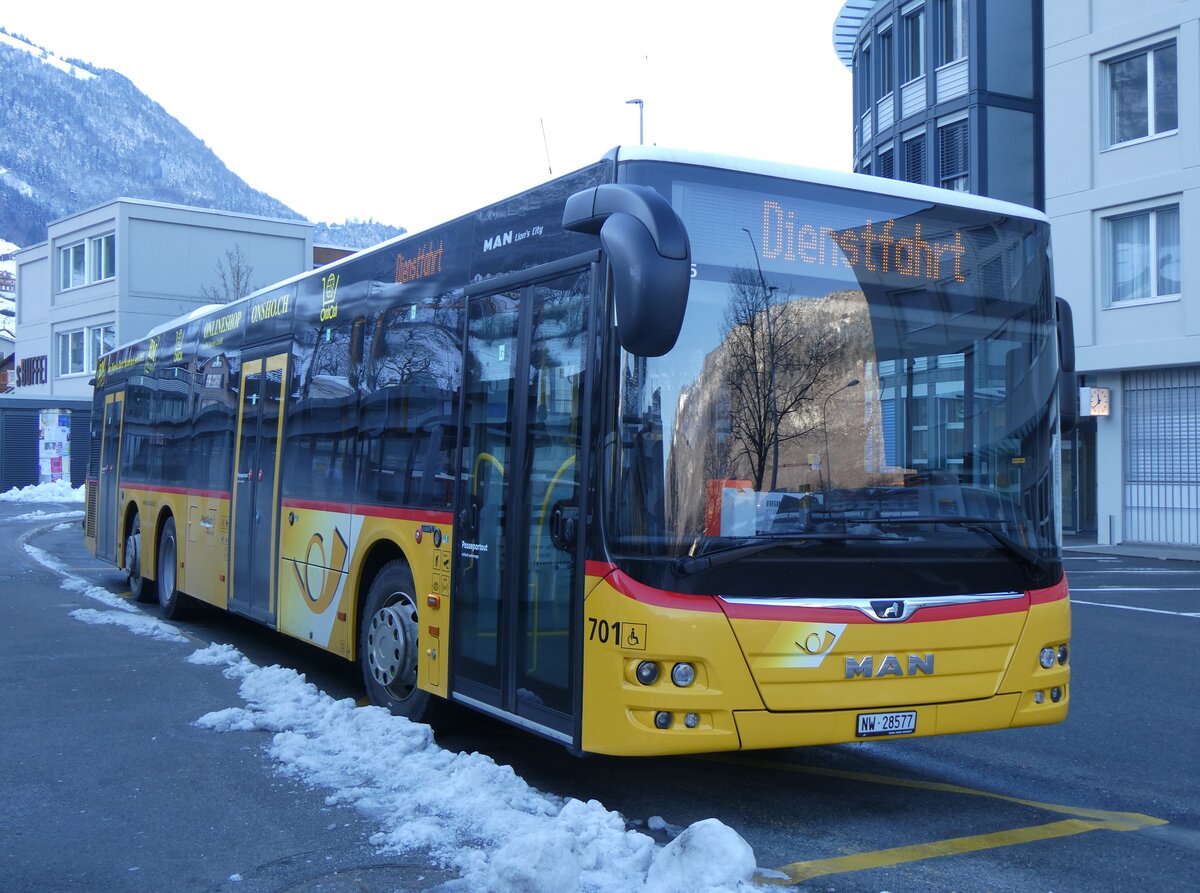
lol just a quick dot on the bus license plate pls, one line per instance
(872, 725)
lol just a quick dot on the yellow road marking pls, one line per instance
(1082, 821)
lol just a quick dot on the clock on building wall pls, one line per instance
(1098, 401)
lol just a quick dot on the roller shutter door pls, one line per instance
(1162, 456)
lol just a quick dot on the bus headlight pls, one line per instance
(683, 674)
(647, 672)
(1062, 655)
(1047, 658)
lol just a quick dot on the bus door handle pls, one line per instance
(468, 516)
(564, 526)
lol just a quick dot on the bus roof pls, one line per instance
(842, 179)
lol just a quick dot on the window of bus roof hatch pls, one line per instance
(859, 376)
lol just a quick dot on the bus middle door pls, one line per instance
(253, 539)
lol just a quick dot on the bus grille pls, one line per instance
(93, 497)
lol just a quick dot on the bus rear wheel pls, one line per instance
(170, 600)
(141, 588)
(388, 641)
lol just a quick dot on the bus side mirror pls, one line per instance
(1068, 392)
(650, 258)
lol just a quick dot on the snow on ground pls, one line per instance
(39, 515)
(59, 491)
(470, 813)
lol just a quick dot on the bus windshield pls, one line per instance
(865, 383)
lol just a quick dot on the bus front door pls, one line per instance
(107, 528)
(252, 538)
(517, 575)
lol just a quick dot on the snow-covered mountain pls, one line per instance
(73, 136)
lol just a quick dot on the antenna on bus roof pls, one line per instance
(546, 143)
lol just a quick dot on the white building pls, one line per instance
(111, 273)
(1122, 123)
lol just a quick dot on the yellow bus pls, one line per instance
(675, 453)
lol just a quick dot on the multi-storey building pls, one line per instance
(947, 93)
(1122, 93)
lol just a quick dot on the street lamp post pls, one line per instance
(767, 292)
(852, 383)
(641, 119)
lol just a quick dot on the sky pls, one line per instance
(413, 113)
(468, 812)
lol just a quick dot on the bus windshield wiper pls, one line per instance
(1013, 547)
(689, 564)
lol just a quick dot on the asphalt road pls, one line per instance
(108, 786)
(111, 787)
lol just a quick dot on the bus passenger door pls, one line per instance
(107, 526)
(517, 573)
(252, 539)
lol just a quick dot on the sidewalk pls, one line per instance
(1086, 542)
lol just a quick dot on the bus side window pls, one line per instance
(322, 415)
(413, 374)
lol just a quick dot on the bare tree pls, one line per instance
(234, 274)
(780, 354)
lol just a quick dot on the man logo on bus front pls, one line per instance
(888, 610)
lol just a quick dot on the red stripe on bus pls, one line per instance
(1055, 593)
(178, 491)
(765, 610)
(931, 613)
(648, 595)
(374, 511)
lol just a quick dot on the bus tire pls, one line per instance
(171, 601)
(388, 641)
(143, 590)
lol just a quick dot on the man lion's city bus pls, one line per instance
(675, 453)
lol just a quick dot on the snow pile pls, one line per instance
(137, 623)
(121, 613)
(58, 491)
(470, 813)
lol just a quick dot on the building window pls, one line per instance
(70, 352)
(887, 163)
(1143, 94)
(103, 256)
(101, 339)
(914, 159)
(1143, 260)
(952, 156)
(886, 63)
(90, 261)
(912, 60)
(862, 79)
(79, 350)
(954, 30)
(71, 266)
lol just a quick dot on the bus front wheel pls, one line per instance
(141, 588)
(387, 644)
